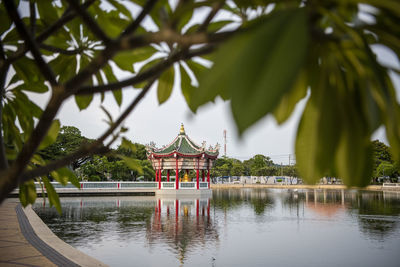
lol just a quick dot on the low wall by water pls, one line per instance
(296, 186)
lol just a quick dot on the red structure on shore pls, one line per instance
(182, 154)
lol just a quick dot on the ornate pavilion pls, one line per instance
(182, 154)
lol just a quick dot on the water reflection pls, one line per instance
(184, 224)
(235, 227)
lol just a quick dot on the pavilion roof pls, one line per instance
(183, 146)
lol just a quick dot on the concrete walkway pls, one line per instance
(15, 250)
(26, 241)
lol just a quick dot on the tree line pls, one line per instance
(384, 165)
(100, 167)
(111, 167)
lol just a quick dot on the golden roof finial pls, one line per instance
(182, 131)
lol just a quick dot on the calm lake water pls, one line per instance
(236, 227)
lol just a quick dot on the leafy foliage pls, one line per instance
(266, 57)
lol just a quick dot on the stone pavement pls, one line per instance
(15, 250)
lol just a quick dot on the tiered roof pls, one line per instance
(183, 146)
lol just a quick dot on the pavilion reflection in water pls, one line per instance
(185, 223)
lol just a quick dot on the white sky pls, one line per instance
(151, 122)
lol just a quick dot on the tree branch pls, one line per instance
(57, 164)
(170, 36)
(3, 74)
(87, 149)
(216, 7)
(111, 49)
(68, 15)
(65, 18)
(128, 110)
(89, 21)
(30, 42)
(136, 23)
(151, 72)
(10, 178)
(60, 50)
(32, 19)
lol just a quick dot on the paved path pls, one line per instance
(15, 250)
(25, 240)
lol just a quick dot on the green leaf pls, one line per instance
(60, 39)
(354, 158)
(110, 119)
(186, 85)
(11, 37)
(118, 96)
(109, 21)
(52, 194)
(47, 12)
(146, 67)
(165, 85)
(64, 67)
(5, 22)
(311, 158)
(272, 52)
(125, 143)
(27, 193)
(121, 8)
(290, 99)
(320, 126)
(64, 175)
(25, 69)
(83, 101)
(133, 164)
(51, 136)
(99, 78)
(184, 15)
(37, 87)
(126, 59)
(197, 68)
(37, 159)
(109, 74)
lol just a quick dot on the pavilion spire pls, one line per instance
(182, 130)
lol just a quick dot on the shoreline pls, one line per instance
(44, 233)
(27, 240)
(303, 186)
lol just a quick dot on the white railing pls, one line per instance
(126, 185)
(203, 185)
(187, 185)
(105, 185)
(391, 185)
(167, 185)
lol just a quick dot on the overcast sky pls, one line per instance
(160, 124)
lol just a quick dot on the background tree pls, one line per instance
(259, 165)
(288, 48)
(385, 169)
(69, 139)
(237, 168)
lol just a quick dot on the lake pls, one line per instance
(235, 227)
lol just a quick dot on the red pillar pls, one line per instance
(197, 175)
(176, 211)
(208, 176)
(167, 175)
(197, 179)
(197, 207)
(177, 175)
(159, 180)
